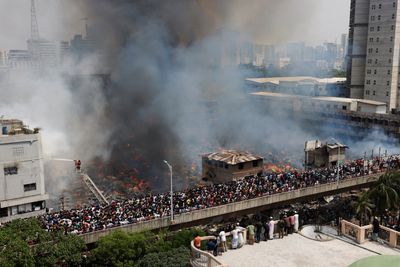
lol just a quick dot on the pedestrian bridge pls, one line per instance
(235, 209)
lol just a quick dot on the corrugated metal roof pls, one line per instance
(232, 157)
(312, 145)
(336, 145)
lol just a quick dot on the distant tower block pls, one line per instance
(34, 23)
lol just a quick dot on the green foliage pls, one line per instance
(183, 237)
(177, 257)
(119, 249)
(26, 243)
(363, 207)
(128, 249)
(16, 252)
(386, 192)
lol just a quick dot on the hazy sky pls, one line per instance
(312, 21)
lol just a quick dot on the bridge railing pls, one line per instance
(361, 233)
(202, 258)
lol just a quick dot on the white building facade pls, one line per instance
(22, 185)
(374, 44)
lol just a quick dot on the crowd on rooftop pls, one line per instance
(154, 206)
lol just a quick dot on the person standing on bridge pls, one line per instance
(250, 228)
(375, 229)
(235, 238)
(222, 236)
(271, 228)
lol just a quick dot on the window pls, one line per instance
(374, 82)
(391, 38)
(29, 187)
(390, 60)
(380, 6)
(4, 212)
(368, 71)
(344, 107)
(367, 92)
(387, 93)
(18, 151)
(372, 18)
(368, 81)
(379, 18)
(10, 170)
(373, 7)
(393, 16)
(387, 83)
(390, 50)
(388, 72)
(392, 27)
(377, 39)
(371, 39)
(369, 61)
(241, 166)
(374, 71)
(376, 50)
(376, 61)
(378, 28)
(371, 29)
(370, 50)
(373, 92)
(255, 163)
(394, 4)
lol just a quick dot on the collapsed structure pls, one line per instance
(228, 165)
(22, 188)
(318, 155)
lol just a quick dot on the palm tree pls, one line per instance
(363, 207)
(386, 192)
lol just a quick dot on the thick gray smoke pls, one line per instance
(168, 97)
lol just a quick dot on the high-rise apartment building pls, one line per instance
(374, 43)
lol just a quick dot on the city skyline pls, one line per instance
(314, 25)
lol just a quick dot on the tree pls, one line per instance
(26, 243)
(385, 193)
(119, 249)
(363, 207)
(177, 257)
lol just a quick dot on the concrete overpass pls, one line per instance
(234, 209)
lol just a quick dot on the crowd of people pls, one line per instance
(154, 206)
(256, 230)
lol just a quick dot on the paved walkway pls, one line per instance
(296, 250)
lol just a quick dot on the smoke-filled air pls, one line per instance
(159, 84)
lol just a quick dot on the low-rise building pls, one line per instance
(22, 187)
(321, 103)
(319, 155)
(300, 85)
(228, 165)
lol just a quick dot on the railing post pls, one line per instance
(361, 235)
(393, 239)
(343, 226)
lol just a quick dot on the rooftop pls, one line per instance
(277, 80)
(295, 250)
(320, 98)
(232, 157)
(14, 127)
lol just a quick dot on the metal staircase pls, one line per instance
(93, 188)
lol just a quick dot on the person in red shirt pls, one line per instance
(197, 241)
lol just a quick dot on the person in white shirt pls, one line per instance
(222, 236)
(235, 238)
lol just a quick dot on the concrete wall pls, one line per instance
(246, 205)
